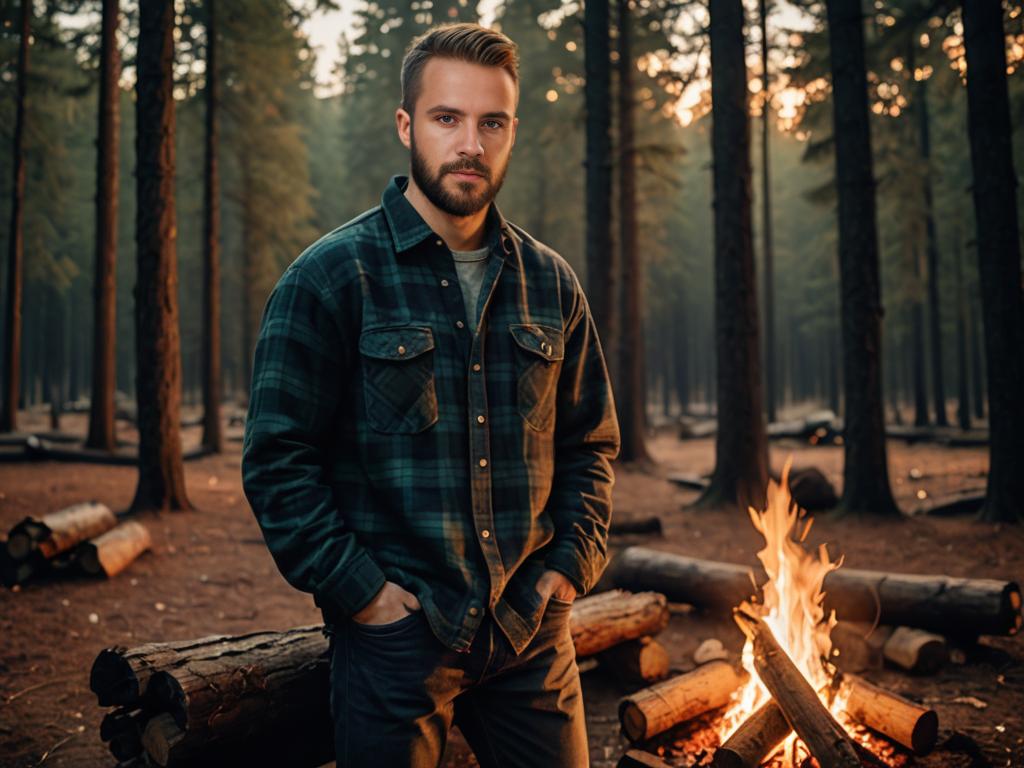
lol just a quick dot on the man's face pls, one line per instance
(461, 134)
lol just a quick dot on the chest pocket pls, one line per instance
(539, 353)
(398, 378)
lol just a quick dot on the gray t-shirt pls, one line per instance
(471, 266)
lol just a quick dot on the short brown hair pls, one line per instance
(462, 42)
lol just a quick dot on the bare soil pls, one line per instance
(210, 573)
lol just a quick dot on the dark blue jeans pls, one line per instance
(396, 690)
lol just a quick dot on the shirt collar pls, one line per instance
(408, 229)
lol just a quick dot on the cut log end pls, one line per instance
(113, 680)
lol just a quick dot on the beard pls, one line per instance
(466, 199)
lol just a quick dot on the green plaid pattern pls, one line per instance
(385, 440)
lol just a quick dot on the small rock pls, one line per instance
(160, 606)
(94, 618)
(710, 650)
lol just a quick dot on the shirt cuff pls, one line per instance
(351, 586)
(566, 560)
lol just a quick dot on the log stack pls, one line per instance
(85, 537)
(262, 698)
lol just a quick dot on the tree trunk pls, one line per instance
(865, 473)
(917, 361)
(741, 445)
(963, 408)
(15, 242)
(977, 364)
(995, 212)
(104, 332)
(601, 272)
(213, 438)
(157, 341)
(681, 346)
(632, 390)
(932, 246)
(766, 227)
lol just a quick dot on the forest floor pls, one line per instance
(210, 573)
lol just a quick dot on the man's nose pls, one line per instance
(469, 141)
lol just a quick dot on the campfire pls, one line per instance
(789, 705)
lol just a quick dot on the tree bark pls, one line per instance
(601, 267)
(157, 343)
(741, 444)
(15, 241)
(766, 226)
(213, 438)
(998, 238)
(631, 400)
(866, 486)
(932, 248)
(963, 407)
(104, 334)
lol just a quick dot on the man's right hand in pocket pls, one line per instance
(390, 604)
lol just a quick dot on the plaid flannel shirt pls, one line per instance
(387, 439)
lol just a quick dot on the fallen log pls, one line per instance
(123, 728)
(606, 619)
(942, 604)
(650, 525)
(115, 550)
(824, 737)
(637, 758)
(652, 710)
(59, 531)
(903, 721)
(121, 676)
(755, 739)
(915, 650)
(636, 663)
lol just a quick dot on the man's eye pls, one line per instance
(492, 124)
(446, 119)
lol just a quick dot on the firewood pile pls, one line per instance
(262, 698)
(917, 615)
(87, 538)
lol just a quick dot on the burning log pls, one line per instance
(912, 725)
(942, 604)
(636, 662)
(825, 738)
(650, 711)
(115, 550)
(59, 531)
(637, 758)
(609, 618)
(754, 740)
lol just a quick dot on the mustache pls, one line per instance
(466, 165)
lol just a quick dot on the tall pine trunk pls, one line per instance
(15, 239)
(632, 390)
(213, 438)
(104, 333)
(963, 408)
(597, 100)
(157, 336)
(995, 212)
(741, 445)
(917, 344)
(932, 246)
(866, 486)
(766, 227)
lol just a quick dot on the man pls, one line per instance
(429, 441)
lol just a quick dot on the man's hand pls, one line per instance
(554, 584)
(390, 604)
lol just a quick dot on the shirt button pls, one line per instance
(440, 242)
(480, 419)
(485, 534)
(459, 324)
(444, 283)
(483, 463)
(401, 349)
(473, 611)
(476, 367)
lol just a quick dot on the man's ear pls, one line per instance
(403, 122)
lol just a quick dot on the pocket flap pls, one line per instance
(539, 339)
(402, 343)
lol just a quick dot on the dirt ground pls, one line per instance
(210, 573)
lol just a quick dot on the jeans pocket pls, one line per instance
(539, 353)
(398, 379)
(391, 628)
